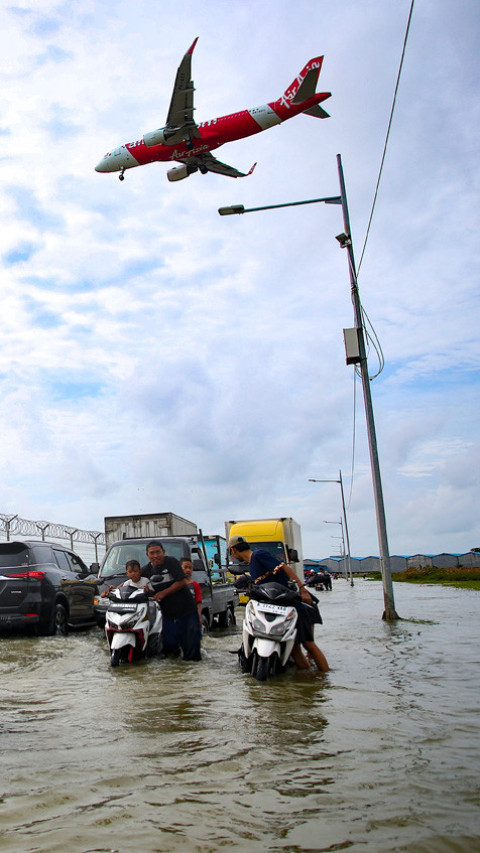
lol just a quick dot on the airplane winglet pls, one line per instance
(251, 170)
(192, 48)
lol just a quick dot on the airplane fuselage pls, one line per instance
(213, 134)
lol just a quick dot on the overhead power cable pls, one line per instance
(388, 134)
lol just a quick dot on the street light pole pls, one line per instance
(389, 613)
(345, 241)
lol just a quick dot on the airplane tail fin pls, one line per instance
(303, 89)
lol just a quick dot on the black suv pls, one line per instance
(44, 585)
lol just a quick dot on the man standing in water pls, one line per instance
(264, 568)
(180, 618)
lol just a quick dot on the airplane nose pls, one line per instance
(102, 165)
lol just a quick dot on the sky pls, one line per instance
(156, 357)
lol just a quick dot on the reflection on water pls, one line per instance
(381, 754)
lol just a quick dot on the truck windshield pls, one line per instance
(276, 549)
(119, 554)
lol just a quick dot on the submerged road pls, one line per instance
(381, 754)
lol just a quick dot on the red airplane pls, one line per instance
(188, 143)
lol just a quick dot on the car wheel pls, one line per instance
(61, 623)
(226, 619)
(205, 625)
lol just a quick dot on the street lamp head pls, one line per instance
(234, 208)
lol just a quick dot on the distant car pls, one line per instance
(46, 586)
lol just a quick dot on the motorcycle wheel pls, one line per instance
(245, 663)
(115, 657)
(154, 646)
(275, 666)
(261, 671)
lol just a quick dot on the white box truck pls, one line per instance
(147, 526)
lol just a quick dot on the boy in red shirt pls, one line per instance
(187, 567)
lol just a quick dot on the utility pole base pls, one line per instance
(392, 617)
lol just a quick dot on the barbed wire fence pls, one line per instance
(88, 544)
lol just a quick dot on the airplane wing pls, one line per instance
(180, 112)
(208, 163)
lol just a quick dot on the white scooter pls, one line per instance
(269, 629)
(133, 625)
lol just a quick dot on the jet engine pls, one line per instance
(160, 136)
(178, 173)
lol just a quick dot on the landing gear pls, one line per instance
(203, 169)
(189, 144)
(121, 176)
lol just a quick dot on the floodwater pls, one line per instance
(381, 754)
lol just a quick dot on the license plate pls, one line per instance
(273, 608)
(123, 608)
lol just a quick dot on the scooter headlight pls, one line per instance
(258, 625)
(127, 620)
(283, 627)
(277, 631)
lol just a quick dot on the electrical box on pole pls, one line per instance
(352, 347)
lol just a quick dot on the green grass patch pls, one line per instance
(462, 578)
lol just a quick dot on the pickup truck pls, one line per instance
(219, 598)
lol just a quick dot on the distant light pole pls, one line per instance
(344, 553)
(356, 354)
(340, 481)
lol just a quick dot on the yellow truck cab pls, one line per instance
(281, 537)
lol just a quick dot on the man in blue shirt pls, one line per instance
(265, 568)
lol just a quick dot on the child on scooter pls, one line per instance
(135, 579)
